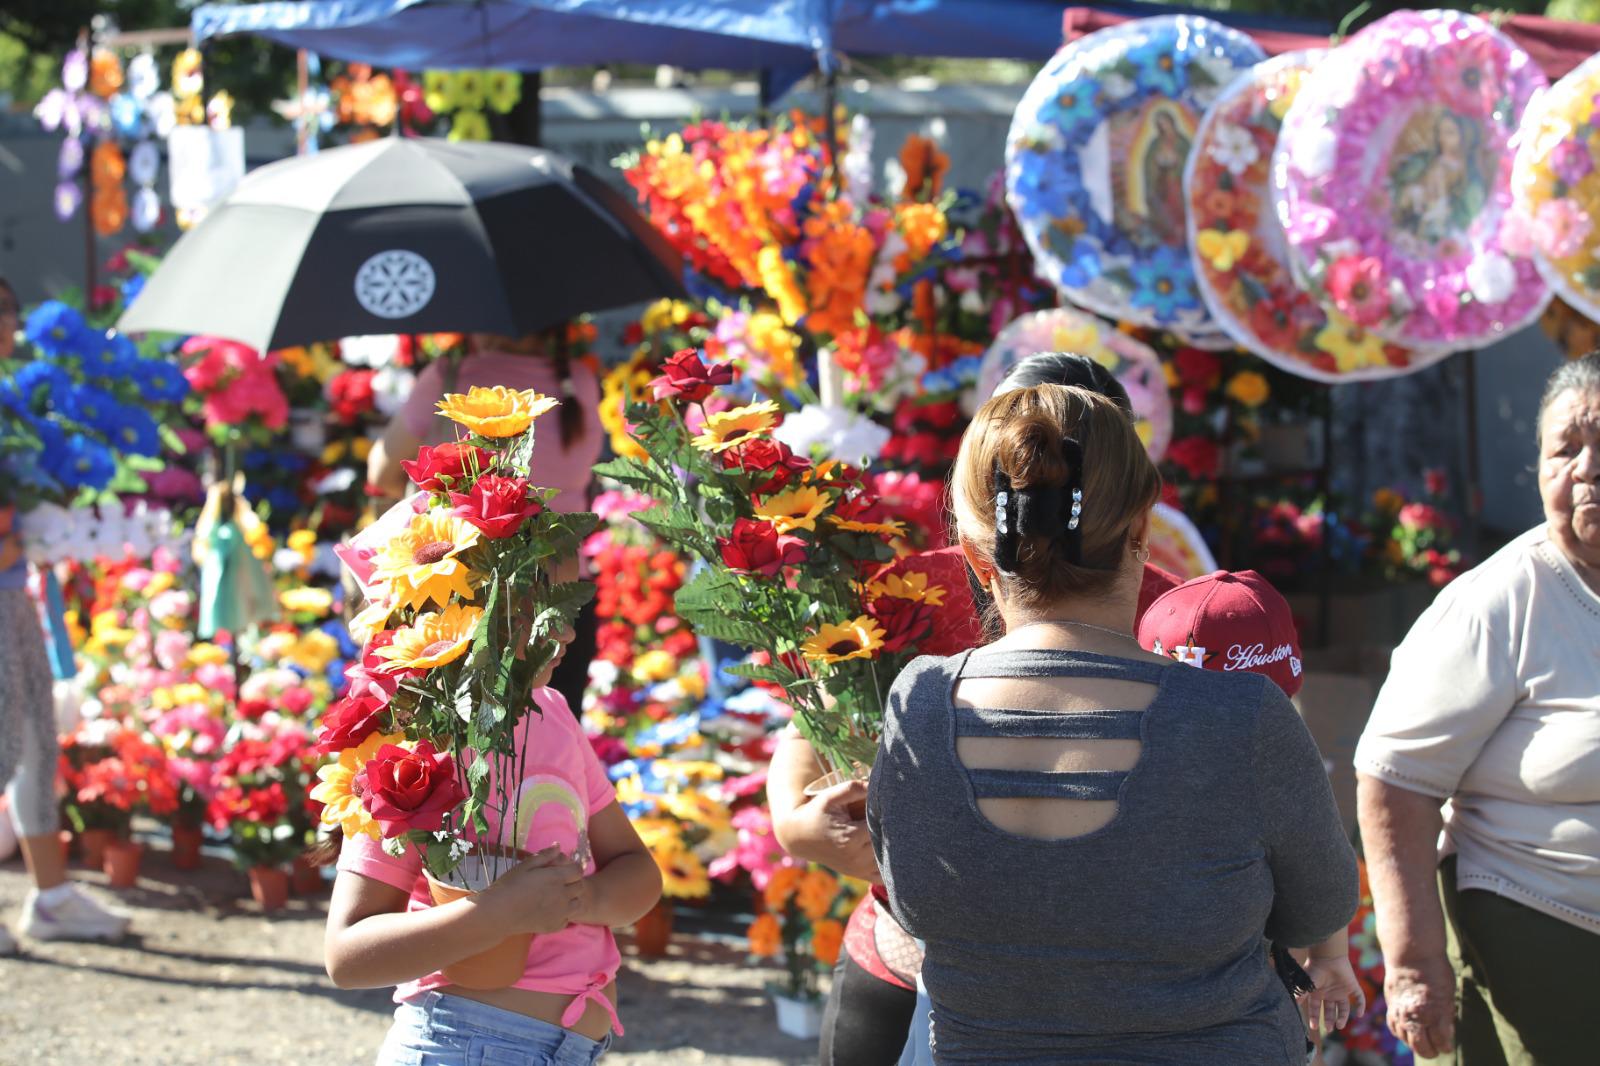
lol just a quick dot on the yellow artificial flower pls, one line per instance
(877, 529)
(663, 315)
(1352, 347)
(727, 429)
(835, 643)
(313, 652)
(794, 509)
(158, 583)
(373, 619)
(439, 90)
(694, 684)
(777, 278)
(502, 89)
(469, 89)
(207, 654)
(342, 805)
(360, 448)
(436, 638)
(688, 769)
(630, 790)
(1249, 388)
(333, 453)
(296, 359)
(303, 542)
(496, 411)
(469, 125)
(1222, 250)
(683, 875)
(696, 809)
(912, 585)
(654, 665)
(306, 600)
(657, 833)
(420, 563)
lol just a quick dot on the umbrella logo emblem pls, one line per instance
(394, 284)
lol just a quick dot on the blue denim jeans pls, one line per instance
(440, 1030)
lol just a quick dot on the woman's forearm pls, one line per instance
(392, 948)
(621, 892)
(1400, 834)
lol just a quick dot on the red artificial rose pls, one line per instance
(1197, 367)
(496, 505)
(1435, 481)
(755, 547)
(686, 377)
(405, 790)
(1199, 457)
(349, 722)
(762, 455)
(447, 466)
(904, 621)
(350, 394)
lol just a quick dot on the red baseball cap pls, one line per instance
(1229, 622)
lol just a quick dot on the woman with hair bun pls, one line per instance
(1095, 844)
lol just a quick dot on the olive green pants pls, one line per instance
(1527, 984)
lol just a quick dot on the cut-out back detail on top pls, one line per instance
(1050, 774)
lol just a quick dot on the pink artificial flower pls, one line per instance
(1560, 227)
(1360, 288)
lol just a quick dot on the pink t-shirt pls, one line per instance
(563, 784)
(555, 466)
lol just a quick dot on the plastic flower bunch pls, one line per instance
(240, 398)
(672, 805)
(463, 616)
(76, 414)
(1419, 534)
(803, 924)
(793, 549)
(259, 795)
(110, 773)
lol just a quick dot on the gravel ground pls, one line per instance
(207, 978)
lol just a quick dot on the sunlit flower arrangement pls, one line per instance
(802, 924)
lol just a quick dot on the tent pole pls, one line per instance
(1474, 464)
(830, 116)
(524, 123)
(91, 251)
(764, 96)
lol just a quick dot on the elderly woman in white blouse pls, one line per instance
(1488, 729)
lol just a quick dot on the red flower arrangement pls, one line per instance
(261, 797)
(443, 467)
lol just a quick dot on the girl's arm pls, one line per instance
(383, 462)
(626, 882)
(817, 828)
(373, 941)
(1337, 997)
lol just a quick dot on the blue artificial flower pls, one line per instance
(1158, 68)
(111, 356)
(54, 327)
(1074, 109)
(348, 648)
(38, 384)
(135, 433)
(1163, 283)
(131, 289)
(1077, 260)
(672, 731)
(81, 463)
(92, 407)
(159, 381)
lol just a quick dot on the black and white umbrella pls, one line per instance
(407, 236)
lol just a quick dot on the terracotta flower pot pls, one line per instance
(653, 932)
(186, 841)
(121, 863)
(94, 846)
(307, 877)
(503, 964)
(269, 887)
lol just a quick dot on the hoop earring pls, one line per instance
(1141, 552)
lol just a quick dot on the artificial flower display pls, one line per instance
(462, 618)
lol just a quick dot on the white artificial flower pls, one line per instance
(45, 531)
(1315, 152)
(1235, 149)
(335, 481)
(390, 387)
(881, 302)
(839, 433)
(603, 674)
(162, 111)
(1491, 279)
(857, 163)
(142, 78)
(373, 350)
(1116, 87)
(972, 302)
(287, 560)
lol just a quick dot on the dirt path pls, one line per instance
(209, 980)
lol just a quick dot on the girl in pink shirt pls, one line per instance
(588, 873)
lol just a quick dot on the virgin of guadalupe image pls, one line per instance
(1437, 182)
(1153, 145)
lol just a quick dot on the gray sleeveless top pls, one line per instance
(1142, 942)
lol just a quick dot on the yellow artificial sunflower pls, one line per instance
(794, 509)
(496, 411)
(659, 834)
(373, 619)
(908, 586)
(312, 652)
(835, 643)
(688, 769)
(697, 809)
(502, 89)
(877, 529)
(306, 600)
(360, 448)
(303, 542)
(468, 125)
(439, 90)
(434, 639)
(654, 665)
(727, 429)
(1249, 388)
(342, 806)
(683, 875)
(420, 563)
(1352, 347)
(207, 654)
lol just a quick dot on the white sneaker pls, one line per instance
(75, 917)
(8, 943)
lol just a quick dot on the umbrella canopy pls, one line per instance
(406, 236)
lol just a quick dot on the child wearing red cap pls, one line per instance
(1237, 621)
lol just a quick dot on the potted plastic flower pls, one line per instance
(801, 925)
(463, 617)
(260, 801)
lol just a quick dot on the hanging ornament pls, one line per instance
(144, 77)
(469, 126)
(188, 83)
(145, 211)
(109, 210)
(68, 198)
(1095, 158)
(1393, 177)
(127, 115)
(69, 161)
(105, 73)
(162, 112)
(502, 89)
(219, 112)
(107, 167)
(144, 163)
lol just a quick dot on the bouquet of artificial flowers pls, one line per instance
(463, 618)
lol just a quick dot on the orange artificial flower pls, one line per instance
(815, 893)
(925, 168)
(107, 166)
(766, 936)
(827, 937)
(785, 881)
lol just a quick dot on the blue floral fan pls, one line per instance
(1095, 161)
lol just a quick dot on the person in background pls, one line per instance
(1488, 728)
(1094, 843)
(562, 460)
(55, 909)
(1239, 623)
(873, 1001)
